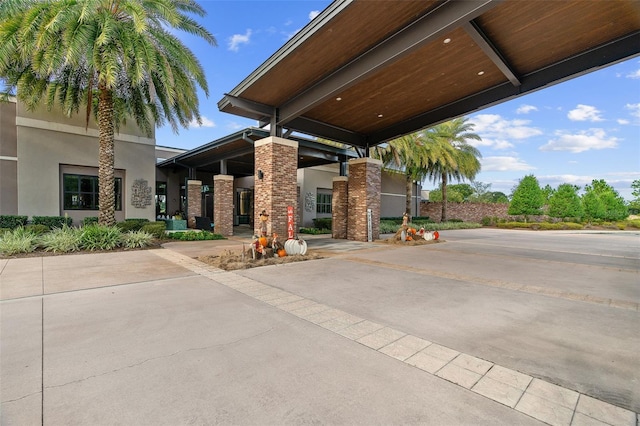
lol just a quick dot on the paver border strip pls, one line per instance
(531, 396)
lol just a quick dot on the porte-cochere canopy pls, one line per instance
(364, 72)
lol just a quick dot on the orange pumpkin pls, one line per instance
(409, 238)
(263, 241)
(282, 253)
(436, 235)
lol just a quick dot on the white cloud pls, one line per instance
(493, 126)
(584, 113)
(634, 108)
(234, 125)
(205, 123)
(622, 121)
(313, 14)
(493, 143)
(555, 180)
(504, 164)
(634, 75)
(526, 109)
(580, 142)
(237, 39)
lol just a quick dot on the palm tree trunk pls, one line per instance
(444, 198)
(106, 163)
(407, 207)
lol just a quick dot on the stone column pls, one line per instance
(339, 207)
(276, 175)
(223, 205)
(194, 204)
(364, 193)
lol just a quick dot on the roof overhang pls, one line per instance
(234, 154)
(364, 72)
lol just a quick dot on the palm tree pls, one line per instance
(412, 154)
(118, 58)
(465, 164)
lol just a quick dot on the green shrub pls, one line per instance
(633, 223)
(455, 220)
(62, 240)
(390, 227)
(37, 229)
(12, 221)
(137, 239)
(4, 230)
(314, 231)
(90, 220)
(322, 223)
(544, 226)
(18, 240)
(486, 221)
(132, 224)
(98, 237)
(194, 236)
(155, 228)
(52, 221)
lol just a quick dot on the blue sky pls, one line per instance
(583, 129)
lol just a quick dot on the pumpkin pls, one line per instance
(295, 247)
(409, 238)
(263, 241)
(282, 253)
(428, 236)
(436, 235)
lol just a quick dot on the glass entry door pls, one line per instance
(244, 206)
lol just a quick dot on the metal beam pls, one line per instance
(434, 24)
(489, 49)
(323, 130)
(254, 108)
(591, 60)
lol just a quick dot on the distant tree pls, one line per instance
(464, 189)
(480, 191)
(601, 201)
(452, 194)
(527, 198)
(496, 197)
(565, 202)
(548, 191)
(634, 205)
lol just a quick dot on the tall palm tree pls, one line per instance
(466, 164)
(412, 154)
(118, 58)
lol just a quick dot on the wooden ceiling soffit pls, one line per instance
(434, 24)
(583, 63)
(491, 51)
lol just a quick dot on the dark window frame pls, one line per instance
(324, 202)
(86, 192)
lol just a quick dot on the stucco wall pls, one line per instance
(393, 195)
(47, 141)
(8, 159)
(309, 181)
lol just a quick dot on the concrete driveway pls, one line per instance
(490, 327)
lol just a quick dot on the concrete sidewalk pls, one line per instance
(372, 335)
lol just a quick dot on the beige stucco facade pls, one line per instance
(48, 144)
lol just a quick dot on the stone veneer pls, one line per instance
(340, 207)
(223, 205)
(365, 182)
(194, 204)
(469, 212)
(277, 158)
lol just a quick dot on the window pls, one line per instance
(323, 201)
(81, 192)
(161, 198)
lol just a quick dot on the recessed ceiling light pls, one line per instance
(380, 116)
(480, 72)
(338, 98)
(447, 41)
